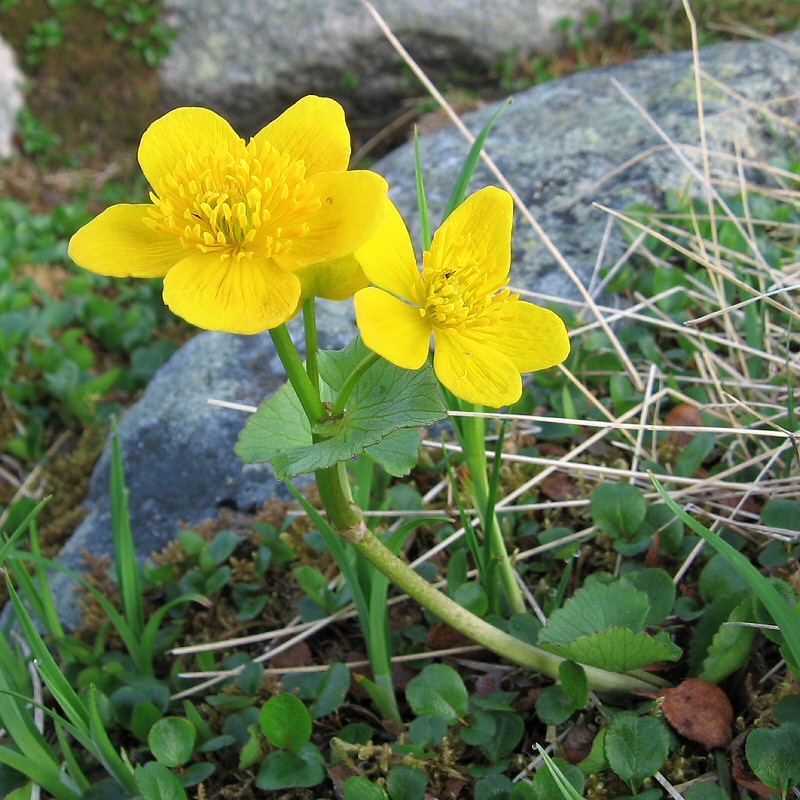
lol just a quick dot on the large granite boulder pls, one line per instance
(249, 58)
(11, 99)
(559, 145)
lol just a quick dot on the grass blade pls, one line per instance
(786, 619)
(127, 565)
(422, 198)
(471, 162)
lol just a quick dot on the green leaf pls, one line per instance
(427, 730)
(156, 782)
(285, 770)
(620, 650)
(781, 614)
(358, 788)
(596, 761)
(659, 587)
(509, 728)
(332, 691)
(574, 682)
(438, 690)
(594, 608)
(279, 424)
(636, 747)
(618, 509)
(285, 721)
(406, 783)
(398, 452)
(385, 400)
(171, 741)
(553, 706)
(774, 755)
(471, 162)
(730, 646)
(563, 781)
(546, 785)
(493, 787)
(480, 729)
(781, 513)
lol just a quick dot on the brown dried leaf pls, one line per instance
(443, 637)
(700, 711)
(683, 415)
(559, 486)
(298, 655)
(577, 744)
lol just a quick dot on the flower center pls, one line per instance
(252, 201)
(458, 292)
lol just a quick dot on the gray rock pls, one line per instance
(248, 59)
(556, 144)
(11, 98)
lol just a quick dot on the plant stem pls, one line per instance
(347, 520)
(474, 446)
(312, 340)
(351, 381)
(296, 372)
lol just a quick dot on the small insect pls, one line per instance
(450, 274)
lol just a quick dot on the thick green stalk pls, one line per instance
(312, 340)
(347, 520)
(474, 446)
(350, 383)
(296, 372)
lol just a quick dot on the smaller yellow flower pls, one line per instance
(485, 336)
(242, 231)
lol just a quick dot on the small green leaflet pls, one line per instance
(602, 626)
(383, 413)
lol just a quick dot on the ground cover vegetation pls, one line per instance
(693, 382)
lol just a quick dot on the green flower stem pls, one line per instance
(312, 340)
(472, 440)
(296, 372)
(348, 521)
(351, 381)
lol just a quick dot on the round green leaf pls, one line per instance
(774, 755)
(156, 782)
(636, 747)
(285, 770)
(358, 788)
(438, 690)
(659, 587)
(406, 783)
(171, 740)
(618, 509)
(286, 723)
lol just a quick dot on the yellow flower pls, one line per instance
(484, 335)
(232, 225)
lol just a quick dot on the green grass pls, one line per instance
(693, 381)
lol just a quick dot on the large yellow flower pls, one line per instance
(233, 224)
(485, 336)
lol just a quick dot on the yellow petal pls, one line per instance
(474, 371)
(225, 294)
(392, 328)
(314, 130)
(333, 280)
(535, 339)
(353, 205)
(388, 257)
(480, 228)
(119, 244)
(182, 132)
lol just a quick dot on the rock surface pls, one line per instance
(558, 145)
(11, 98)
(249, 59)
